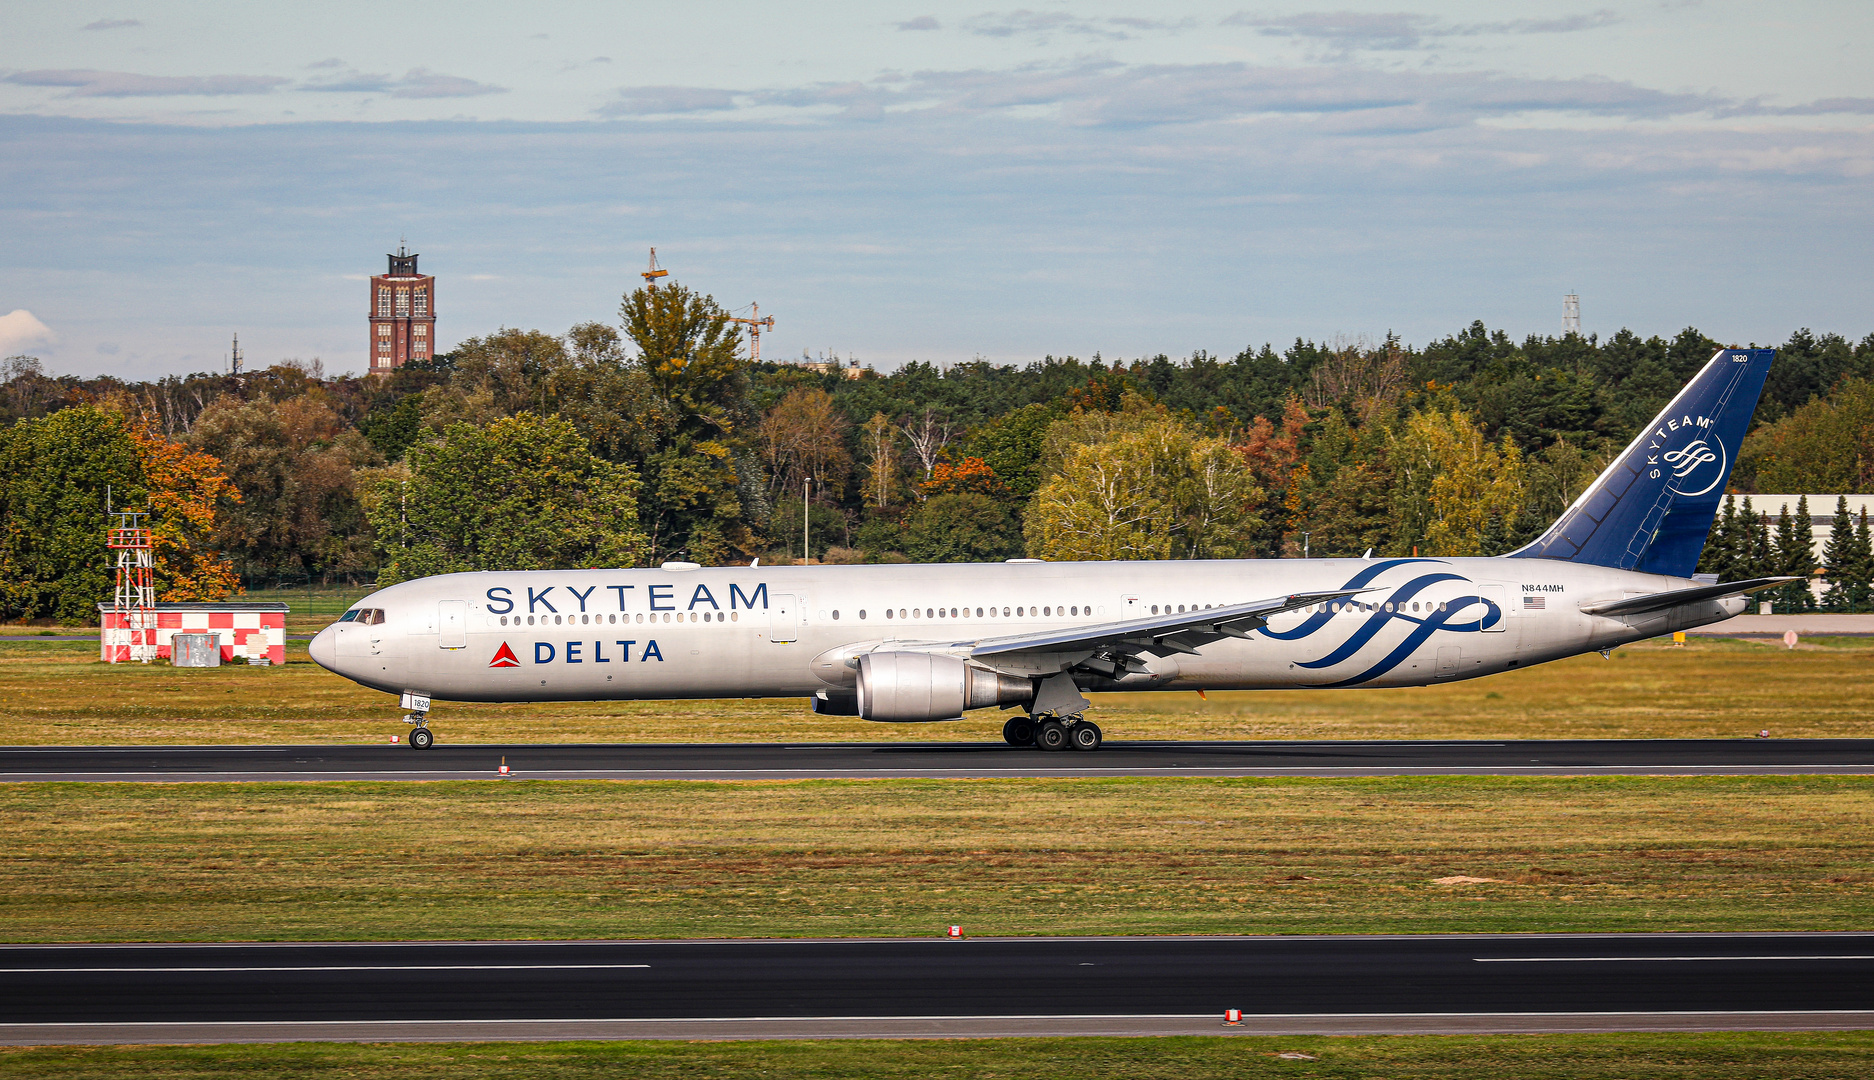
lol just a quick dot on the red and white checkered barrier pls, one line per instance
(255, 631)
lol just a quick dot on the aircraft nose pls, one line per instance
(324, 648)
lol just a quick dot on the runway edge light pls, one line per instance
(503, 770)
(1233, 1017)
(955, 932)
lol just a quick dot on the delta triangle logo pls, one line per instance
(504, 657)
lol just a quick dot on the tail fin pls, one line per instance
(1651, 509)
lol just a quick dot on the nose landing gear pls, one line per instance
(421, 738)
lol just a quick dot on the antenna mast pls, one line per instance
(1571, 314)
(234, 358)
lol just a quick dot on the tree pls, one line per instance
(56, 474)
(1794, 557)
(1157, 492)
(928, 435)
(962, 526)
(805, 436)
(1845, 560)
(521, 493)
(186, 489)
(881, 473)
(1463, 480)
(294, 462)
(692, 353)
(969, 475)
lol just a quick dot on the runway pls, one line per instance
(783, 761)
(803, 988)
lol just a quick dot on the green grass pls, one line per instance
(58, 692)
(1702, 1056)
(558, 860)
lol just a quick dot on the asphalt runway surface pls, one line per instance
(933, 986)
(778, 761)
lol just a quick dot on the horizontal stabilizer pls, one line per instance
(1640, 605)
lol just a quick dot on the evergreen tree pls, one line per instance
(1716, 557)
(1793, 558)
(1841, 561)
(1862, 581)
(1762, 561)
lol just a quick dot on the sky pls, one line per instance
(930, 181)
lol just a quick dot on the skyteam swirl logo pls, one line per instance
(1697, 465)
(1463, 614)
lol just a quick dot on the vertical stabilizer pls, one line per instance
(1651, 509)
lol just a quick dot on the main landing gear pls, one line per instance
(421, 738)
(1052, 733)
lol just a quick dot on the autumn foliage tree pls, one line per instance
(57, 474)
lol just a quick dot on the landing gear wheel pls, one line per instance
(421, 739)
(1085, 735)
(1019, 731)
(1051, 735)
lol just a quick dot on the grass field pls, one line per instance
(1718, 1056)
(521, 859)
(57, 692)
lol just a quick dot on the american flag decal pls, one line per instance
(1534, 603)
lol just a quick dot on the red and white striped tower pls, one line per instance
(135, 602)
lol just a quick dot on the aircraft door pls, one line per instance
(452, 620)
(787, 612)
(1494, 594)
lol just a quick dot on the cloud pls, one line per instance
(84, 82)
(654, 100)
(922, 22)
(20, 330)
(417, 83)
(1039, 24)
(1345, 31)
(113, 24)
(1107, 93)
(423, 83)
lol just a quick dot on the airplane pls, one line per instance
(911, 643)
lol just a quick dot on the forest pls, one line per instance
(651, 437)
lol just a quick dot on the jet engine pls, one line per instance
(914, 687)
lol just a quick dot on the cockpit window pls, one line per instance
(370, 616)
(349, 615)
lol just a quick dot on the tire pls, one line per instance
(420, 738)
(1051, 735)
(1084, 735)
(1019, 731)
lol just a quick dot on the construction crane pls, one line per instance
(650, 276)
(756, 324)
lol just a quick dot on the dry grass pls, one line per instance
(852, 858)
(1623, 1056)
(58, 693)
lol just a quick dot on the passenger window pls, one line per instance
(1049, 610)
(835, 614)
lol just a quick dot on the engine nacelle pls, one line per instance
(914, 687)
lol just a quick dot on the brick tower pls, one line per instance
(402, 314)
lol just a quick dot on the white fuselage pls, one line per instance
(786, 631)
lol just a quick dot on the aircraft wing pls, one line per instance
(1640, 605)
(1158, 635)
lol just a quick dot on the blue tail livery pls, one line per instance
(1651, 509)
